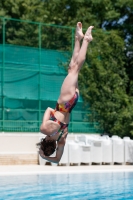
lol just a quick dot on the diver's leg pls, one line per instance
(78, 37)
(70, 83)
(82, 53)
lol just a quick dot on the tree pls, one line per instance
(103, 83)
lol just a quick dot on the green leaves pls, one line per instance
(106, 82)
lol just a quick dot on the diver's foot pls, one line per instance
(88, 34)
(79, 34)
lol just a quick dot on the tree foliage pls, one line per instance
(103, 84)
(106, 80)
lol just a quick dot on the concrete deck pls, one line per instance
(39, 169)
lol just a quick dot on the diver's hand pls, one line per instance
(41, 153)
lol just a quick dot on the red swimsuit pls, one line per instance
(64, 107)
(67, 106)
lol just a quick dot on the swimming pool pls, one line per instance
(86, 186)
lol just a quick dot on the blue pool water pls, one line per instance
(97, 186)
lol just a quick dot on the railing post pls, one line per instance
(39, 85)
(2, 72)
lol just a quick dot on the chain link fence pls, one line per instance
(33, 57)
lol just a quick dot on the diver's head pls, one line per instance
(47, 145)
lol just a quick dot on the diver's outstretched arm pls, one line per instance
(46, 117)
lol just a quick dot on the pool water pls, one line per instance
(97, 186)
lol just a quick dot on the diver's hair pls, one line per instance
(47, 146)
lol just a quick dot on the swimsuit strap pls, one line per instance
(60, 135)
(63, 126)
(54, 119)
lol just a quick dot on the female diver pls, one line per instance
(55, 121)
